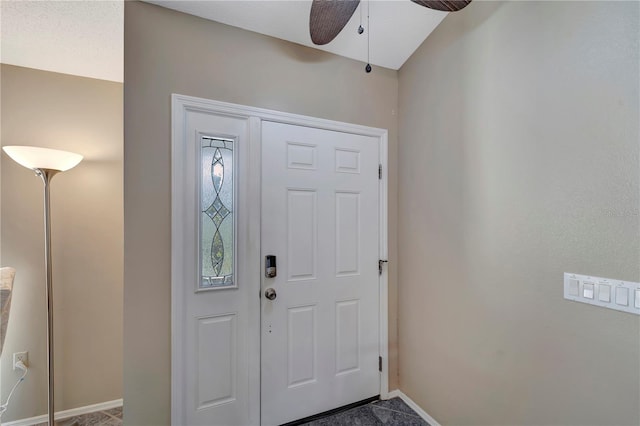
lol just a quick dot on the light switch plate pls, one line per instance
(589, 286)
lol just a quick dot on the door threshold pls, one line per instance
(332, 412)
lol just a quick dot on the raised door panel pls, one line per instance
(301, 345)
(301, 234)
(217, 354)
(347, 336)
(347, 250)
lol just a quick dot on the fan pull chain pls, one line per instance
(360, 27)
(368, 67)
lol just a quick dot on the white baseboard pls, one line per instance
(415, 407)
(394, 393)
(67, 413)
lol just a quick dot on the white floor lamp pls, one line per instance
(46, 163)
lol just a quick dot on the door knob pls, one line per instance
(270, 294)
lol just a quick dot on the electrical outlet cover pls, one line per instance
(20, 356)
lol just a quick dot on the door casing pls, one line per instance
(180, 105)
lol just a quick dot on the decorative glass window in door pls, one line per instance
(217, 236)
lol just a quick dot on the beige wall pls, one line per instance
(82, 115)
(168, 52)
(519, 153)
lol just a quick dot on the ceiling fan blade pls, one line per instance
(445, 5)
(328, 18)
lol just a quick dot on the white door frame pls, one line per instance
(180, 104)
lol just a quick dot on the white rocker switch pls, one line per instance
(574, 287)
(604, 293)
(622, 296)
(637, 304)
(587, 290)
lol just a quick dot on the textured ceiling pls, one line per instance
(86, 37)
(73, 37)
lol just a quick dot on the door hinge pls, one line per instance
(379, 171)
(380, 363)
(380, 262)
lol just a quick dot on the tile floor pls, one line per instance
(111, 417)
(393, 412)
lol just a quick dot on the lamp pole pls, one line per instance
(46, 175)
(46, 163)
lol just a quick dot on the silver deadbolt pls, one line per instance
(270, 294)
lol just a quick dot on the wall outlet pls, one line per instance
(20, 356)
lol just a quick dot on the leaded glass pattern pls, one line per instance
(216, 223)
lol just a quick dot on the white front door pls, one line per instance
(320, 334)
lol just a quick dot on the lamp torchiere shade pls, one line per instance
(33, 157)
